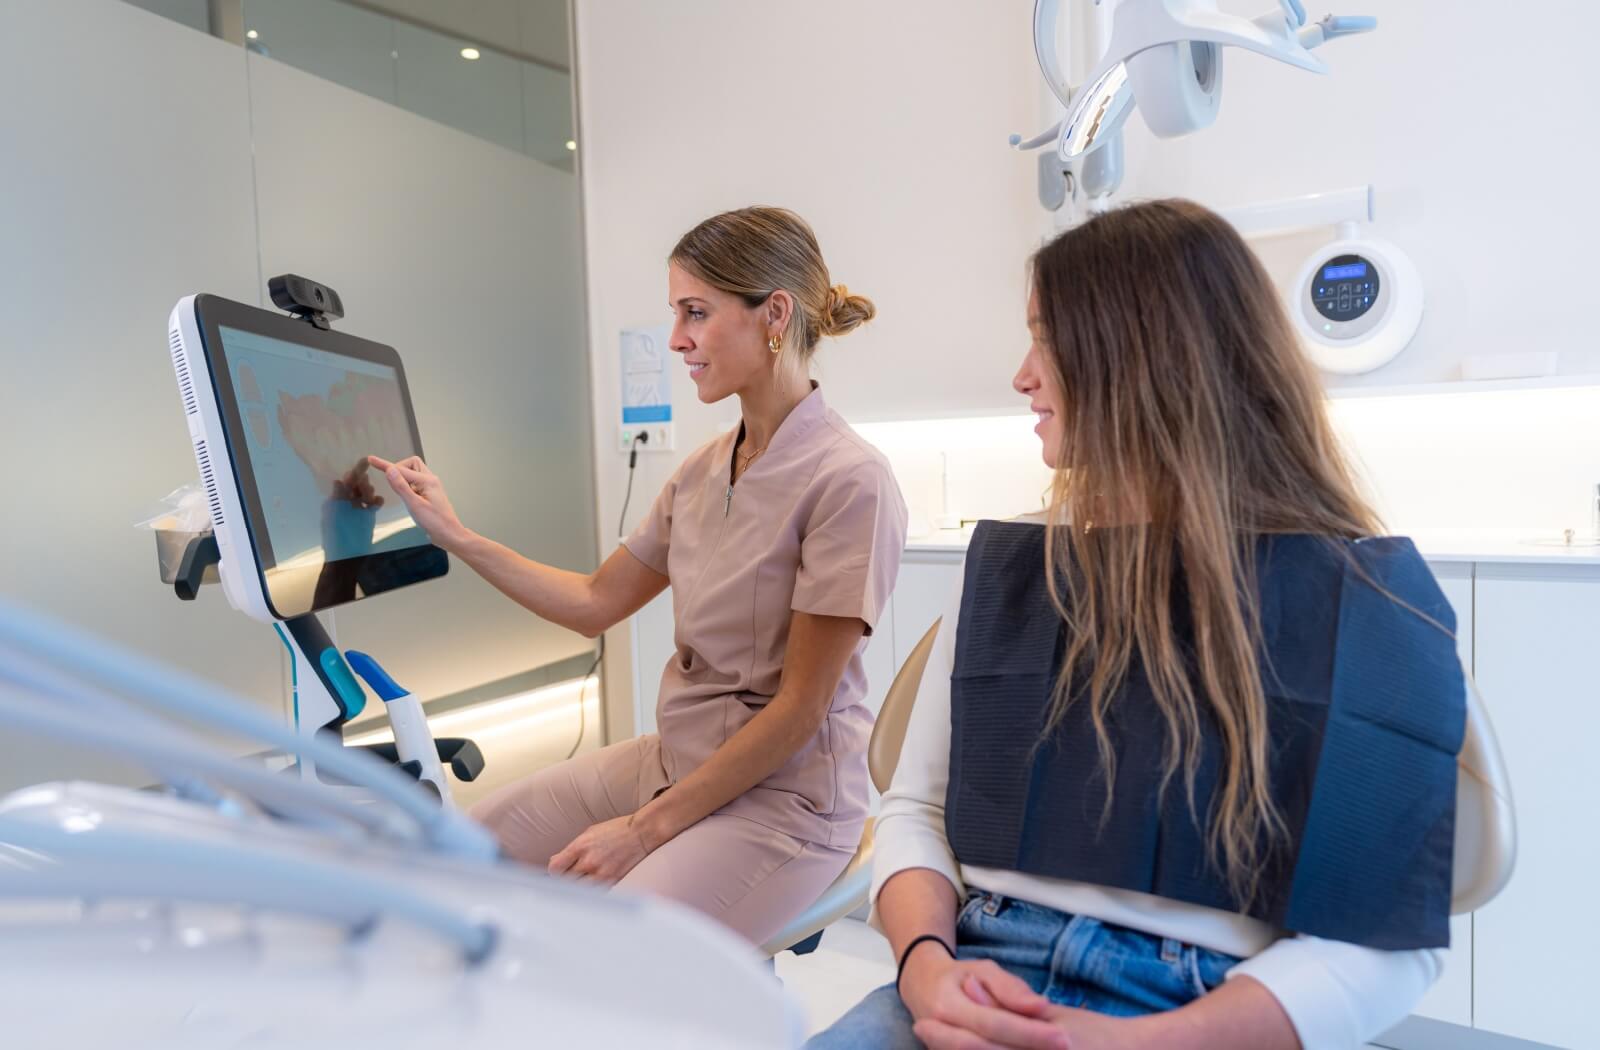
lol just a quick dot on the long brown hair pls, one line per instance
(1194, 423)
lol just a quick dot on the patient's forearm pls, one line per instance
(1240, 1015)
(914, 902)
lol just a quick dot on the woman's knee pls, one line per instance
(750, 878)
(878, 1022)
(538, 815)
(519, 822)
(785, 893)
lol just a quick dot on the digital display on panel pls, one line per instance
(1344, 272)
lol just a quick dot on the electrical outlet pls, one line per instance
(659, 437)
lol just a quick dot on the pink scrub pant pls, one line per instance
(747, 876)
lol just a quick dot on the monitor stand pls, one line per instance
(327, 695)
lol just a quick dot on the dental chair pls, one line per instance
(1486, 827)
(237, 906)
(1486, 820)
(849, 891)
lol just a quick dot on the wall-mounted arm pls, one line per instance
(1333, 26)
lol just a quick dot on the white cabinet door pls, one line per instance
(920, 594)
(926, 581)
(1451, 999)
(1538, 665)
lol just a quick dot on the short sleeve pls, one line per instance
(850, 553)
(652, 537)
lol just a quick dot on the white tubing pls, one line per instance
(191, 698)
(283, 794)
(119, 864)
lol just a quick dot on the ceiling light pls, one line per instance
(252, 34)
(471, 54)
(571, 145)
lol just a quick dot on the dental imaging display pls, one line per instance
(301, 420)
(311, 419)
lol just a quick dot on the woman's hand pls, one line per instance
(356, 488)
(606, 852)
(966, 1005)
(1242, 1014)
(423, 494)
(1087, 1030)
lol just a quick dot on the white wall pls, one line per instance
(885, 126)
(1460, 467)
(137, 172)
(1470, 119)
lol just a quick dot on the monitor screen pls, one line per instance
(302, 409)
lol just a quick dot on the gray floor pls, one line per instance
(1422, 1034)
(853, 960)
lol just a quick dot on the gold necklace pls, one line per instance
(741, 467)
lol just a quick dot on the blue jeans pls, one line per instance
(1072, 960)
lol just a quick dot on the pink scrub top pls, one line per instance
(817, 525)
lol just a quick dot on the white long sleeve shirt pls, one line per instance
(1336, 994)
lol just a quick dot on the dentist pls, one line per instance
(781, 541)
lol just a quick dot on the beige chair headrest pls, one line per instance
(1486, 820)
(889, 732)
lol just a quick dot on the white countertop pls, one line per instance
(1440, 546)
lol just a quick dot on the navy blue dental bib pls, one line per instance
(1366, 713)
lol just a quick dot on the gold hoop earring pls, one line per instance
(774, 344)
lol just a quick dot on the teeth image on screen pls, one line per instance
(321, 414)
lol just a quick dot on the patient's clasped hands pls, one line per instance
(977, 1005)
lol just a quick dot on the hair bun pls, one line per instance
(843, 312)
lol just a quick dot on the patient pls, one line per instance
(1181, 772)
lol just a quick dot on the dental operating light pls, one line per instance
(1165, 58)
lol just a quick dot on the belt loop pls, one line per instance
(1171, 950)
(991, 907)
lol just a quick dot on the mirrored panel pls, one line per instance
(498, 70)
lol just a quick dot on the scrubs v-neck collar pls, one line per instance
(801, 419)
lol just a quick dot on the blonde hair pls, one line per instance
(1185, 392)
(753, 252)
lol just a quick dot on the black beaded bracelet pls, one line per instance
(901, 969)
